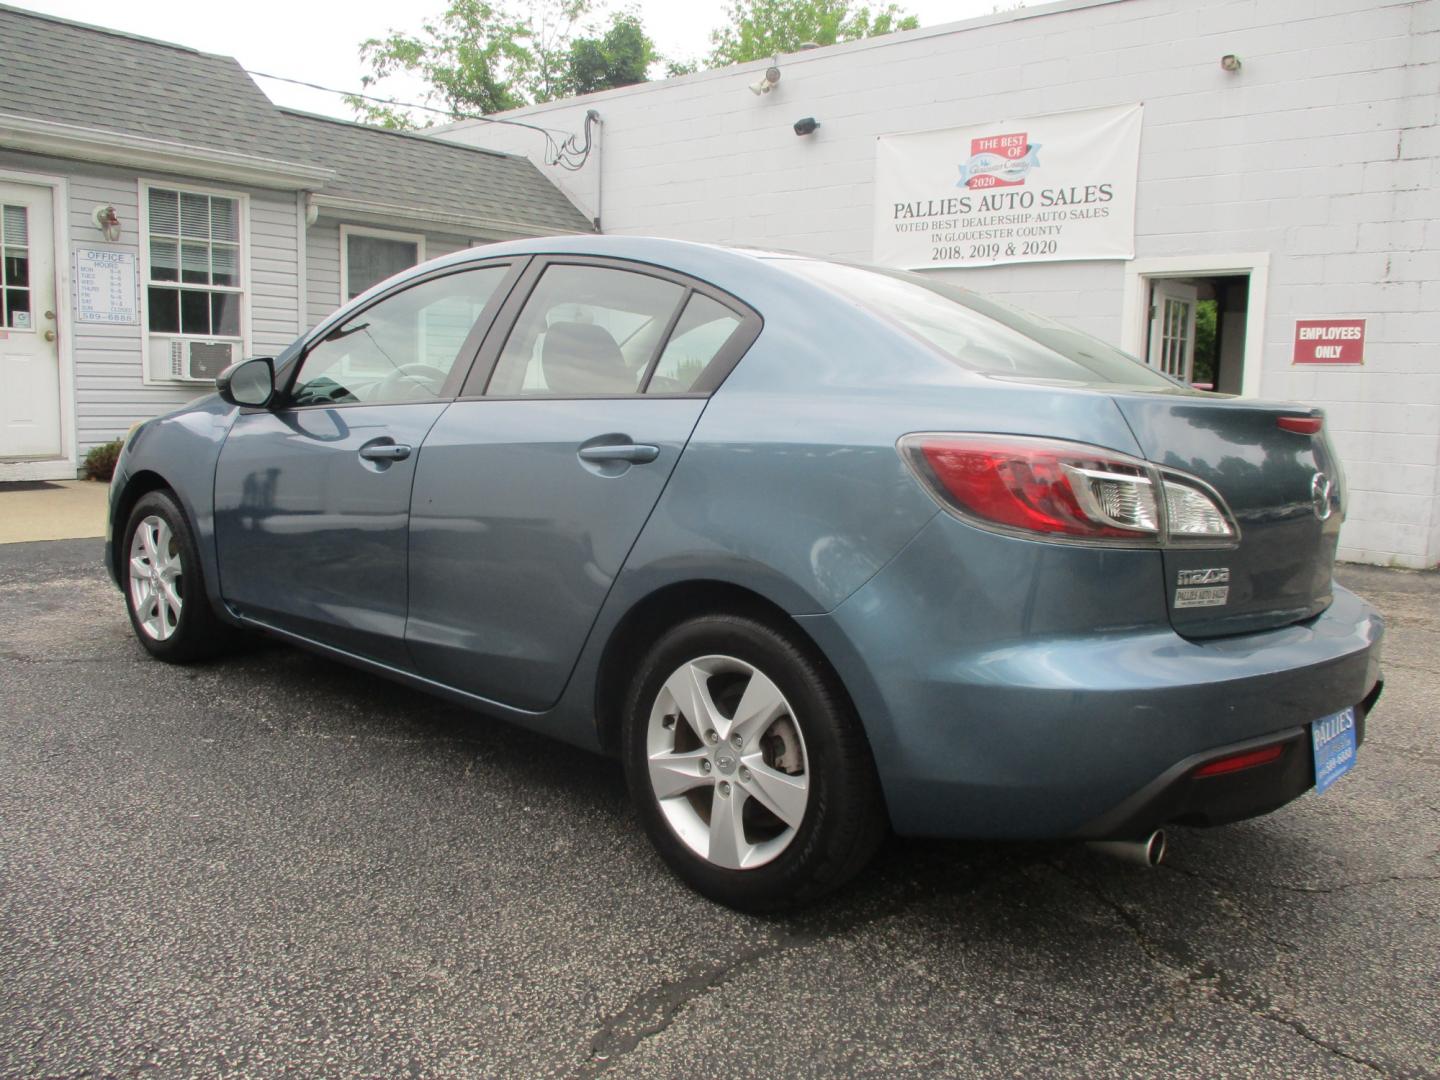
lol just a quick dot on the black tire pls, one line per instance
(844, 818)
(197, 633)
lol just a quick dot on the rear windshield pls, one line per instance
(979, 333)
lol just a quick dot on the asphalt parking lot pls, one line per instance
(273, 865)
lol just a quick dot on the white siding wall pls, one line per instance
(1321, 151)
(110, 390)
(322, 270)
(322, 263)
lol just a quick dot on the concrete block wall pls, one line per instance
(1321, 151)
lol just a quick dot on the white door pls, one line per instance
(1172, 327)
(29, 351)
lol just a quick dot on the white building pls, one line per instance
(1297, 185)
(160, 217)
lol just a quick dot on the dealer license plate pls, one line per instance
(1334, 741)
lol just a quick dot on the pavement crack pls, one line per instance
(1211, 982)
(1313, 890)
(652, 1011)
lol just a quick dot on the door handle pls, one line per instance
(49, 335)
(637, 453)
(385, 452)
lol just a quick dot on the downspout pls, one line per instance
(592, 115)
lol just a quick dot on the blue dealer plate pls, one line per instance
(1334, 742)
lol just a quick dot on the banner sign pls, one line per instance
(1046, 189)
(1329, 341)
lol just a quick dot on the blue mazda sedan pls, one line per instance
(817, 550)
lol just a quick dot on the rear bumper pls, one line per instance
(994, 712)
(1180, 797)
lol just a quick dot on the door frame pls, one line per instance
(1135, 320)
(65, 467)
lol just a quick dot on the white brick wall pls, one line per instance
(1321, 151)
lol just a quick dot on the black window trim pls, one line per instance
(751, 323)
(464, 360)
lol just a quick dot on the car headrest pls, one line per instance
(581, 358)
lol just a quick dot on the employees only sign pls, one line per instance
(1329, 341)
(1045, 189)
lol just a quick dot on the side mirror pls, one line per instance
(250, 382)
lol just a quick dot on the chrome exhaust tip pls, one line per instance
(1146, 852)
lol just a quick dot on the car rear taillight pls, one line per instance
(1064, 490)
(1302, 425)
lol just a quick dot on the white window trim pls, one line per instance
(67, 465)
(347, 231)
(1135, 320)
(143, 242)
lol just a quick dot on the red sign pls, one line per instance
(1010, 146)
(1329, 341)
(998, 161)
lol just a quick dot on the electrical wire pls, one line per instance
(567, 153)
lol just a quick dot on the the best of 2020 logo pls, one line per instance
(999, 161)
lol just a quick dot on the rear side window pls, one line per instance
(978, 333)
(703, 330)
(586, 331)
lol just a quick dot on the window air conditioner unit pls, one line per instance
(189, 360)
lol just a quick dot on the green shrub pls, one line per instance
(100, 461)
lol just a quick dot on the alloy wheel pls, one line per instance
(727, 762)
(156, 575)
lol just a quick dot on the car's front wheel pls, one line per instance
(161, 576)
(748, 766)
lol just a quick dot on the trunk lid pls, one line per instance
(1284, 489)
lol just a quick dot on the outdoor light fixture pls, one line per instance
(806, 125)
(1230, 62)
(108, 222)
(767, 81)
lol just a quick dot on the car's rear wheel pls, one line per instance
(748, 766)
(161, 577)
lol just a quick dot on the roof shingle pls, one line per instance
(91, 77)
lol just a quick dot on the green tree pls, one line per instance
(1207, 351)
(758, 29)
(620, 57)
(482, 57)
(471, 61)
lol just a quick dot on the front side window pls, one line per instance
(195, 284)
(370, 259)
(586, 331)
(401, 348)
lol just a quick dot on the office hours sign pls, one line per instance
(1042, 189)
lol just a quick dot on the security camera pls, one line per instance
(806, 126)
(767, 81)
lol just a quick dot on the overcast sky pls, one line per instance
(318, 41)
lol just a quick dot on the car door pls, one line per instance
(312, 495)
(533, 487)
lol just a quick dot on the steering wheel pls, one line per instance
(420, 380)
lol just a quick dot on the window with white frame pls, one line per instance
(369, 256)
(195, 286)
